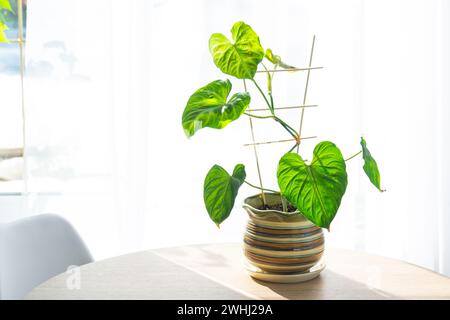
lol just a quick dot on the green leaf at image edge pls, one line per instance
(208, 107)
(4, 4)
(3, 37)
(370, 166)
(220, 191)
(316, 189)
(241, 58)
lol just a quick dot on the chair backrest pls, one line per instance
(34, 249)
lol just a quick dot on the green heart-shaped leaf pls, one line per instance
(370, 166)
(316, 189)
(208, 107)
(241, 58)
(220, 190)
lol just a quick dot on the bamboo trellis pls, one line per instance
(302, 107)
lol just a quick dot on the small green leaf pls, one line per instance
(316, 189)
(241, 58)
(271, 57)
(276, 60)
(208, 107)
(370, 166)
(4, 4)
(220, 191)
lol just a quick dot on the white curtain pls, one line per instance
(405, 76)
(107, 82)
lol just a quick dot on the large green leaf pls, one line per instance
(370, 166)
(208, 107)
(316, 189)
(241, 58)
(220, 190)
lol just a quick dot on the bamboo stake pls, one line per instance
(290, 70)
(256, 155)
(276, 141)
(305, 93)
(21, 42)
(286, 108)
(16, 40)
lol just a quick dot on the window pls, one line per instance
(12, 42)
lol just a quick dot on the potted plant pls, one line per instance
(284, 232)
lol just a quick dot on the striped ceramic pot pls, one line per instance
(279, 242)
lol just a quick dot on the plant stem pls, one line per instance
(269, 88)
(269, 84)
(284, 124)
(262, 189)
(284, 203)
(287, 127)
(259, 117)
(353, 155)
(264, 96)
(295, 145)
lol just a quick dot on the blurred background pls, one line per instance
(94, 134)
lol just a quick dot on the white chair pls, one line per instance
(34, 249)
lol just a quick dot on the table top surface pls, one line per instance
(217, 271)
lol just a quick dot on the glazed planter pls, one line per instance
(277, 242)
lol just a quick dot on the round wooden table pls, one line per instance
(216, 271)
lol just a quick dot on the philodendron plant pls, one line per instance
(314, 188)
